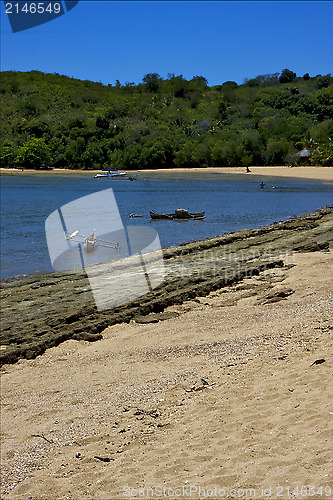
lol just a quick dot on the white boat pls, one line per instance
(111, 173)
(90, 242)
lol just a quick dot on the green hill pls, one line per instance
(163, 123)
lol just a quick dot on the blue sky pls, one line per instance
(220, 40)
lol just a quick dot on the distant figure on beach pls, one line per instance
(262, 185)
(247, 169)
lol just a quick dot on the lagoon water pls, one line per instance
(231, 202)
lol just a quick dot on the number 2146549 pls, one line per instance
(33, 8)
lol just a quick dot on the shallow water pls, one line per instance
(231, 202)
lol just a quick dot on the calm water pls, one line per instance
(231, 202)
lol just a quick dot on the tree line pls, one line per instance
(51, 120)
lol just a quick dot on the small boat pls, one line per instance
(179, 214)
(90, 242)
(111, 173)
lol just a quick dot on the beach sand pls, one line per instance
(317, 173)
(302, 172)
(226, 395)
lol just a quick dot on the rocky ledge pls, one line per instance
(43, 311)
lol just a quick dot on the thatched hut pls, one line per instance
(303, 157)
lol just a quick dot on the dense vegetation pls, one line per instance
(54, 120)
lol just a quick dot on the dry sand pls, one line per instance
(313, 172)
(318, 173)
(226, 396)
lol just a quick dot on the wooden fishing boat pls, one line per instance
(90, 242)
(179, 214)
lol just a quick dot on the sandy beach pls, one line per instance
(234, 394)
(318, 173)
(302, 172)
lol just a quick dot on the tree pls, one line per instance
(180, 86)
(324, 154)
(201, 80)
(223, 115)
(268, 79)
(102, 122)
(7, 153)
(324, 81)
(33, 154)
(276, 151)
(230, 84)
(287, 76)
(37, 127)
(254, 82)
(152, 81)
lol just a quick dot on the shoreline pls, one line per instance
(193, 269)
(302, 172)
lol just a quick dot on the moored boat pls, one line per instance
(179, 214)
(111, 173)
(90, 242)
